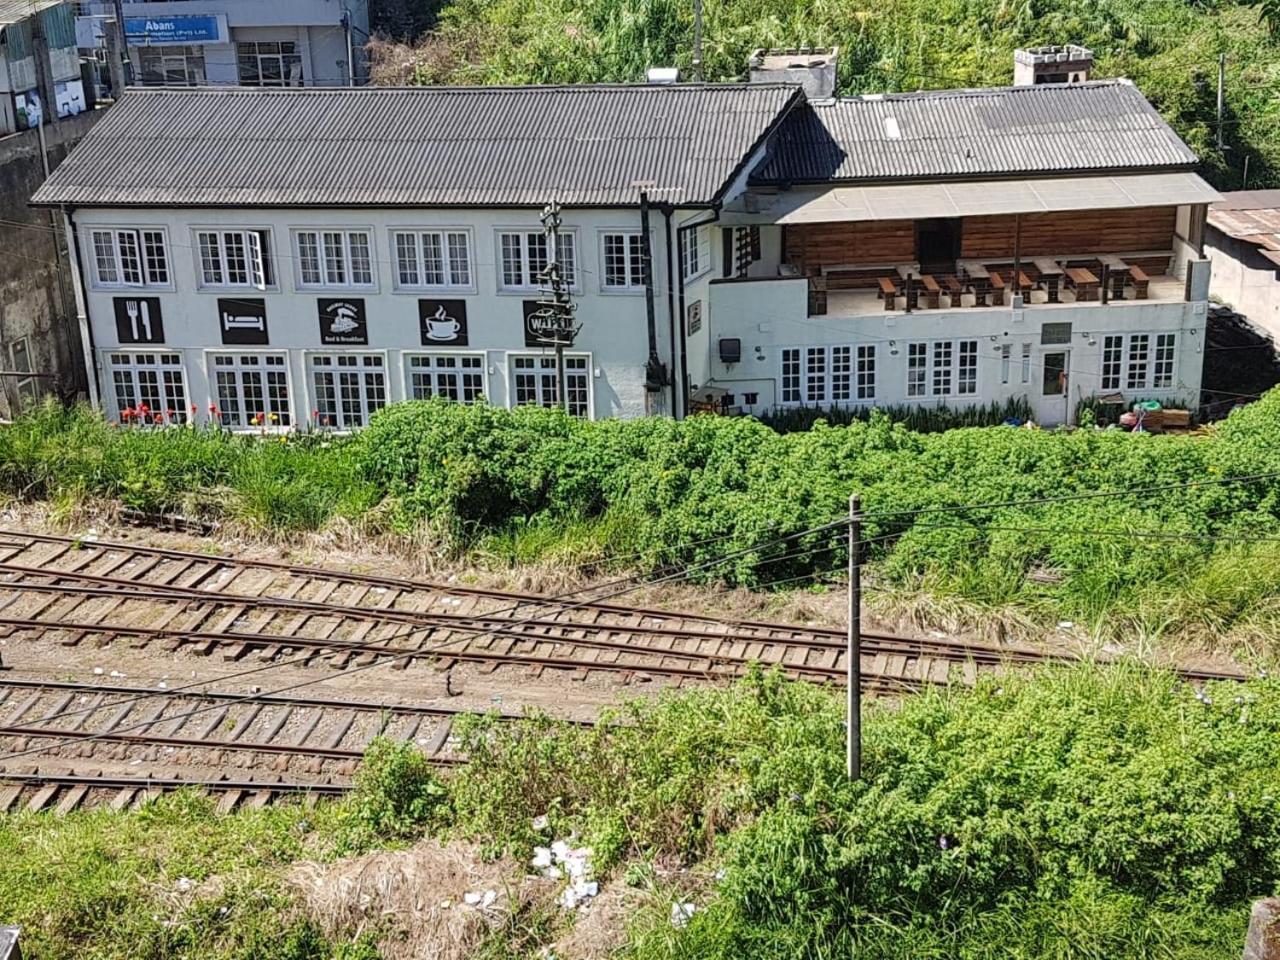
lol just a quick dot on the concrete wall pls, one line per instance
(613, 339)
(1244, 280)
(36, 300)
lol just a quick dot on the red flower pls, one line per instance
(143, 409)
(213, 411)
(193, 409)
(126, 413)
(315, 414)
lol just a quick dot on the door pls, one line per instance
(1054, 396)
(938, 245)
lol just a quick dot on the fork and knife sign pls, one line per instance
(138, 320)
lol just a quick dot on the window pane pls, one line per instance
(104, 257)
(334, 260)
(130, 257)
(210, 262)
(309, 258)
(432, 259)
(157, 258)
(406, 260)
(237, 259)
(361, 262)
(512, 261)
(459, 260)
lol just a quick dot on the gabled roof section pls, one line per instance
(590, 145)
(1047, 129)
(1251, 216)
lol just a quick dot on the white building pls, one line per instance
(314, 254)
(290, 43)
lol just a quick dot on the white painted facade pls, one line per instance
(608, 358)
(859, 354)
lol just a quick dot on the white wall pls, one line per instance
(770, 315)
(1244, 280)
(614, 328)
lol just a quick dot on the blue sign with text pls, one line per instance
(176, 30)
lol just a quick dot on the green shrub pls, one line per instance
(397, 793)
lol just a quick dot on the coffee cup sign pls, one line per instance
(443, 322)
(547, 325)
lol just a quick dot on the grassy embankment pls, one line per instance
(1198, 561)
(1081, 813)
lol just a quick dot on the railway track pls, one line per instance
(71, 592)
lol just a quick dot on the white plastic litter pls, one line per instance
(471, 899)
(184, 884)
(539, 823)
(541, 857)
(98, 671)
(681, 914)
(561, 860)
(116, 674)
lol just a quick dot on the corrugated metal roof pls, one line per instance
(1251, 216)
(419, 146)
(968, 198)
(11, 11)
(1048, 128)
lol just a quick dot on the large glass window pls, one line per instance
(130, 258)
(334, 258)
(149, 387)
(942, 368)
(235, 258)
(432, 258)
(828, 375)
(269, 64)
(524, 258)
(534, 382)
(1128, 361)
(174, 66)
(458, 377)
(623, 259)
(252, 389)
(348, 388)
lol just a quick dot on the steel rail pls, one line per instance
(110, 781)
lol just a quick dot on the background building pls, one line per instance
(1243, 241)
(39, 64)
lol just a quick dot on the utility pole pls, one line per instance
(697, 41)
(117, 51)
(853, 655)
(559, 303)
(1222, 97)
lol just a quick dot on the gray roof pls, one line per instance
(419, 146)
(1043, 129)
(15, 11)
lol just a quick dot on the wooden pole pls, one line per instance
(853, 655)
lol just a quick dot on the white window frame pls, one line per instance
(827, 375)
(943, 370)
(281, 425)
(131, 365)
(633, 271)
(1143, 360)
(313, 394)
(695, 252)
(451, 284)
(26, 388)
(268, 263)
(434, 371)
(532, 284)
(322, 260)
(140, 236)
(541, 360)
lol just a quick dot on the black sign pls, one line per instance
(443, 322)
(342, 322)
(138, 320)
(547, 324)
(243, 321)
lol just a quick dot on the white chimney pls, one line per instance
(662, 74)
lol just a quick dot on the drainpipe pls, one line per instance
(351, 63)
(684, 344)
(667, 212)
(82, 308)
(653, 366)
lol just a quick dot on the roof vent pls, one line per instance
(1068, 63)
(662, 74)
(812, 67)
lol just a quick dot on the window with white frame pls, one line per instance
(431, 259)
(27, 387)
(942, 368)
(1128, 359)
(455, 376)
(523, 258)
(1026, 363)
(695, 253)
(235, 259)
(149, 387)
(251, 389)
(130, 258)
(622, 255)
(269, 63)
(348, 388)
(828, 374)
(1006, 354)
(171, 66)
(334, 258)
(534, 382)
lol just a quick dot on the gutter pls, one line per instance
(653, 373)
(82, 308)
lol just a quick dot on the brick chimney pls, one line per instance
(814, 67)
(1051, 64)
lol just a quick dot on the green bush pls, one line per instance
(1077, 812)
(397, 793)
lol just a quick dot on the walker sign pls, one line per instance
(182, 29)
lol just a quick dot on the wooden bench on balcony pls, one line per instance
(1085, 283)
(1141, 282)
(932, 292)
(955, 289)
(888, 293)
(997, 288)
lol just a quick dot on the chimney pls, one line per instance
(1068, 63)
(662, 75)
(814, 67)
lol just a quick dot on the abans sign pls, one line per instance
(175, 30)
